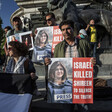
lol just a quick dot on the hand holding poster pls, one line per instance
(70, 83)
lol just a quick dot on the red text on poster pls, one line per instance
(82, 80)
(57, 37)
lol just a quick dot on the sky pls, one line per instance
(7, 7)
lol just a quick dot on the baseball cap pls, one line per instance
(82, 31)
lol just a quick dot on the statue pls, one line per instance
(27, 25)
(67, 10)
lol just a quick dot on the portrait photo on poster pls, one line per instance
(27, 38)
(43, 44)
(15, 37)
(60, 80)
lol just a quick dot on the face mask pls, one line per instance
(82, 36)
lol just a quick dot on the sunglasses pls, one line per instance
(48, 19)
(10, 48)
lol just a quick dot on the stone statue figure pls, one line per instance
(64, 10)
(27, 24)
(67, 10)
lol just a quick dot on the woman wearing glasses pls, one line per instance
(59, 87)
(42, 48)
(18, 51)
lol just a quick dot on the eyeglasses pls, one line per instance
(48, 19)
(10, 48)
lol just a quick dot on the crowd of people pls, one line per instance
(79, 46)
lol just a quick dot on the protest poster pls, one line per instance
(43, 44)
(60, 80)
(26, 37)
(82, 80)
(45, 41)
(13, 38)
(63, 77)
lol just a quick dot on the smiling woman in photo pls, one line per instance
(42, 48)
(59, 86)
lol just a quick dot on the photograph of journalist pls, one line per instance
(42, 48)
(59, 87)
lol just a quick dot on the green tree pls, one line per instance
(2, 41)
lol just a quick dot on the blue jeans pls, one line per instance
(93, 46)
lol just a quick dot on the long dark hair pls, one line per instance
(37, 42)
(53, 69)
(21, 48)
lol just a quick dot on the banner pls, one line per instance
(15, 92)
(45, 41)
(24, 37)
(70, 80)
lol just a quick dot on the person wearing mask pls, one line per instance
(82, 34)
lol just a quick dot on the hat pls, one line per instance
(82, 31)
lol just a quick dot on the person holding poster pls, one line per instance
(59, 87)
(71, 47)
(17, 28)
(42, 48)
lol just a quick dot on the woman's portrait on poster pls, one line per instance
(59, 87)
(42, 47)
